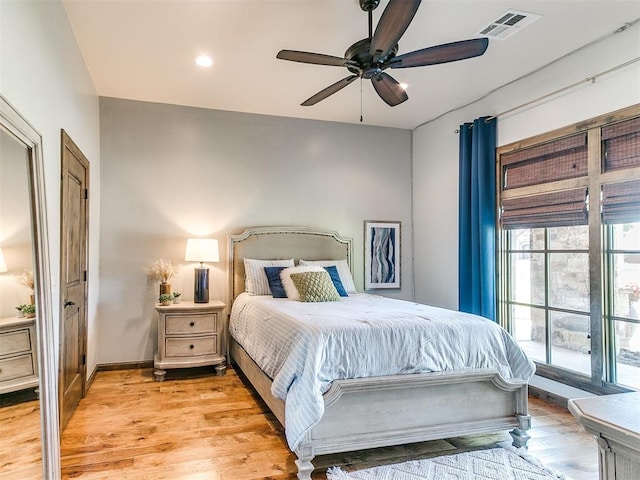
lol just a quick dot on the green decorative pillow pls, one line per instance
(315, 287)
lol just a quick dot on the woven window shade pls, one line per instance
(621, 202)
(555, 209)
(621, 145)
(557, 160)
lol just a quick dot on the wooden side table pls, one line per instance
(615, 422)
(190, 335)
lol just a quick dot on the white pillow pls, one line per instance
(287, 283)
(343, 270)
(255, 278)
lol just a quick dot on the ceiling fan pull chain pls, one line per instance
(360, 99)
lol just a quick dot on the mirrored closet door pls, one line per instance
(29, 445)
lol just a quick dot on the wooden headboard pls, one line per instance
(275, 243)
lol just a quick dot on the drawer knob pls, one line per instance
(191, 347)
(192, 324)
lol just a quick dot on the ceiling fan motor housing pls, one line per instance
(359, 53)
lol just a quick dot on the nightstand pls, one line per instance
(18, 359)
(190, 335)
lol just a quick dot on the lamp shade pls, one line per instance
(3, 265)
(202, 250)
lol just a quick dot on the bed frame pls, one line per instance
(377, 411)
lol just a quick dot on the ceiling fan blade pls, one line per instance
(393, 23)
(314, 58)
(330, 90)
(447, 52)
(389, 89)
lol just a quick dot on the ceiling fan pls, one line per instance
(368, 58)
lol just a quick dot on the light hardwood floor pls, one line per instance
(20, 438)
(199, 426)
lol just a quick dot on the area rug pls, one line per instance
(493, 464)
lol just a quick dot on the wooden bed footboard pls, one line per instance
(382, 411)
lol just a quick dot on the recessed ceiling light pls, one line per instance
(204, 60)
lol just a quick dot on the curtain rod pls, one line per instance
(591, 79)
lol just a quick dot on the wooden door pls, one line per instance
(73, 275)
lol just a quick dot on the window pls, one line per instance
(569, 240)
(549, 294)
(623, 323)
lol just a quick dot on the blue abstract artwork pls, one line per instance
(382, 255)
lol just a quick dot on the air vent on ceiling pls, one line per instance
(509, 23)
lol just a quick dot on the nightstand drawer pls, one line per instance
(190, 347)
(16, 367)
(15, 342)
(190, 324)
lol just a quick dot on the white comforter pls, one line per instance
(303, 347)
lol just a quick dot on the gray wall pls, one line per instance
(170, 172)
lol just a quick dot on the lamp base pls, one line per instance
(201, 285)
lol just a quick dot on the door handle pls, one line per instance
(68, 303)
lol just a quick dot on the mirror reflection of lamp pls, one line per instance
(201, 250)
(3, 265)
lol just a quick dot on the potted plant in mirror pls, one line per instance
(29, 311)
(163, 271)
(176, 297)
(165, 299)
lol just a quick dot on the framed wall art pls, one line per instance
(381, 255)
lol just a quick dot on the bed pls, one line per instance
(371, 411)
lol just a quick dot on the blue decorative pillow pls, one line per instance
(335, 278)
(275, 284)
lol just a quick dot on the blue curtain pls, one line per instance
(477, 223)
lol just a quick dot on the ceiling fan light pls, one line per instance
(404, 86)
(204, 61)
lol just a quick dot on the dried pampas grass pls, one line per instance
(26, 279)
(162, 270)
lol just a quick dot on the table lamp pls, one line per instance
(201, 250)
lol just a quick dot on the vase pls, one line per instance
(165, 288)
(32, 299)
(176, 300)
